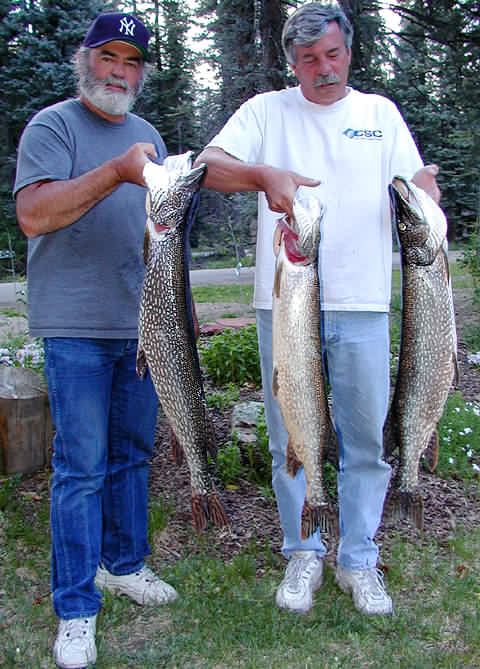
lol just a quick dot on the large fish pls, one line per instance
(167, 343)
(298, 380)
(427, 364)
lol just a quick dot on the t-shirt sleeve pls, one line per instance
(44, 153)
(242, 135)
(405, 157)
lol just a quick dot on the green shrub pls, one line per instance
(223, 399)
(229, 461)
(232, 357)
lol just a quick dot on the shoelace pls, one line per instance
(296, 570)
(373, 580)
(75, 628)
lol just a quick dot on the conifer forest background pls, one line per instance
(209, 56)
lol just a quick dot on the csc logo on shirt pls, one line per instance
(363, 134)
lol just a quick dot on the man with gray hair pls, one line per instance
(349, 145)
(81, 202)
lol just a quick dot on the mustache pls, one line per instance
(324, 80)
(116, 82)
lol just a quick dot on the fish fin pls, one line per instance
(146, 245)
(207, 508)
(142, 364)
(331, 450)
(407, 506)
(456, 374)
(277, 280)
(389, 441)
(211, 436)
(293, 464)
(176, 449)
(316, 517)
(432, 451)
(275, 382)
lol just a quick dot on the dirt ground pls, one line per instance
(254, 517)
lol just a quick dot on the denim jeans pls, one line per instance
(104, 418)
(356, 353)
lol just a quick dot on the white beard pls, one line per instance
(110, 102)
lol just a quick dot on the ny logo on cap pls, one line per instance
(127, 26)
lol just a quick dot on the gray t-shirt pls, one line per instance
(85, 280)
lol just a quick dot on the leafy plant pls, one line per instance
(232, 357)
(229, 461)
(223, 399)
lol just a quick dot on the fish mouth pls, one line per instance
(195, 175)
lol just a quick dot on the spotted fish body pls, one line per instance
(167, 344)
(427, 363)
(298, 381)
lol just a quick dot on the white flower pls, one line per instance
(474, 358)
(469, 453)
(451, 461)
(467, 430)
(475, 467)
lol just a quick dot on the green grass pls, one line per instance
(226, 617)
(240, 292)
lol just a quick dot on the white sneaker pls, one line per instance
(74, 646)
(303, 576)
(367, 588)
(142, 586)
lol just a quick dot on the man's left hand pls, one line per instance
(425, 179)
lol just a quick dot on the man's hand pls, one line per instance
(425, 179)
(280, 187)
(227, 174)
(129, 166)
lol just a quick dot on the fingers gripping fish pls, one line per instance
(167, 343)
(427, 364)
(298, 381)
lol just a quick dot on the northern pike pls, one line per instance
(298, 379)
(428, 348)
(166, 341)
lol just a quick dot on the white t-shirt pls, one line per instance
(354, 147)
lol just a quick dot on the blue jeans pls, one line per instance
(104, 418)
(356, 352)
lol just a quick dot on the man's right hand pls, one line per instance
(227, 174)
(129, 166)
(280, 187)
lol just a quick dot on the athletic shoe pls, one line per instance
(75, 643)
(142, 586)
(367, 588)
(302, 577)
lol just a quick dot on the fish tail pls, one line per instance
(407, 506)
(208, 508)
(316, 517)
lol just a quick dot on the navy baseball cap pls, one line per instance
(117, 27)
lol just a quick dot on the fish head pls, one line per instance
(300, 234)
(171, 187)
(419, 222)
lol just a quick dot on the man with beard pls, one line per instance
(81, 202)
